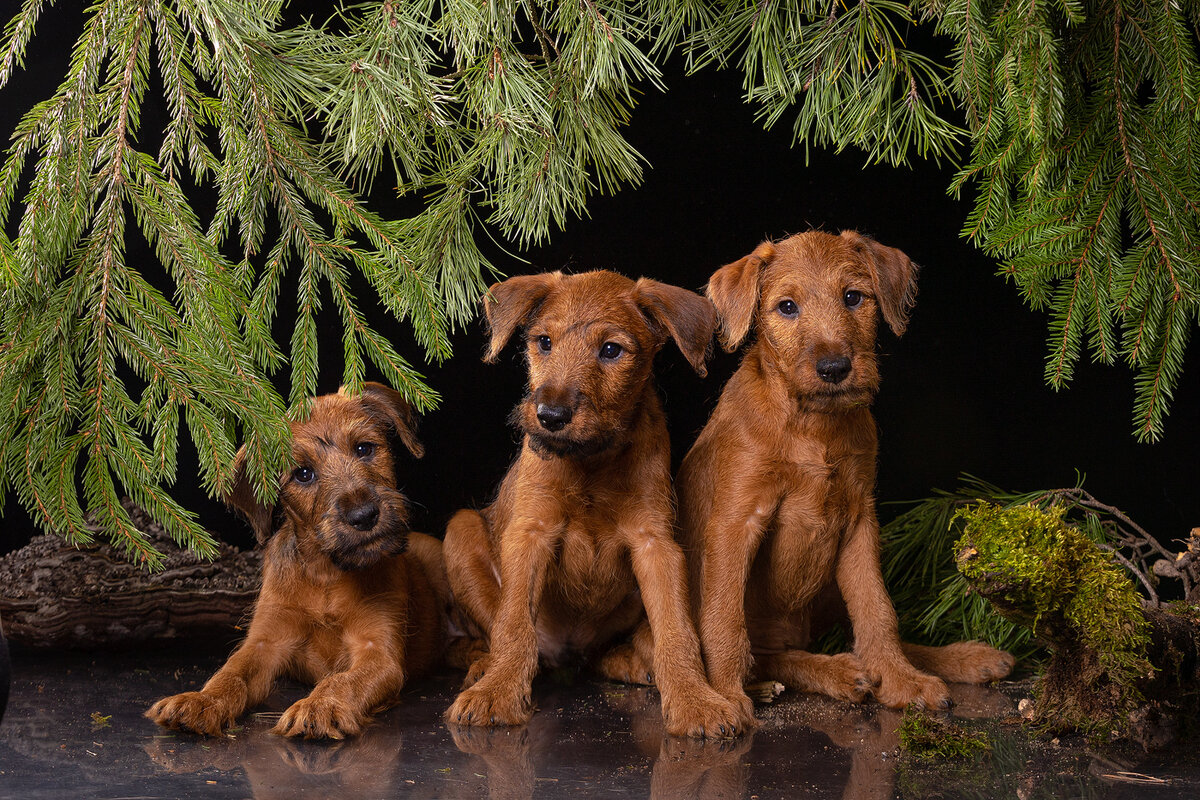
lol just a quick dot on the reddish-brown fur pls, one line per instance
(351, 600)
(584, 518)
(777, 506)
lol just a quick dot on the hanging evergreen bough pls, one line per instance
(102, 359)
(1075, 125)
(1082, 120)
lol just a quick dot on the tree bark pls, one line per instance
(53, 594)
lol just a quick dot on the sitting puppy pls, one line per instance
(777, 504)
(351, 601)
(580, 536)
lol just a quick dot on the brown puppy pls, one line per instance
(351, 601)
(584, 519)
(777, 504)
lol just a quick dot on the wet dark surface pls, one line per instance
(74, 729)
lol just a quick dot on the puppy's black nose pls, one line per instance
(363, 516)
(833, 370)
(553, 418)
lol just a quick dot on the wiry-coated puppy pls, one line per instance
(583, 520)
(351, 601)
(777, 504)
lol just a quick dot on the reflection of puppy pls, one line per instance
(366, 766)
(580, 537)
(685, 768)
(505, 756)
(342, 605)
(691, 769)
(870, 736)
(777, 494)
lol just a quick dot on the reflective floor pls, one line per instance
(74, 729)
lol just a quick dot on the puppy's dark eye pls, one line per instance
(543, 344)
(610, 351)
(852, 298)
(304, 475)
(364, 449)
(788, 308)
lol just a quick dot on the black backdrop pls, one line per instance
(963, 390)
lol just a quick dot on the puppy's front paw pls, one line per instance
(193, 711)
(320, 718)
(490, 707)
(899, 687)
(702, 713)
(744, 707)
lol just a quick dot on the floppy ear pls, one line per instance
(734, 291)
(689, 318)
(510, 304)
(242, 498)
(894, 276)
(384, 401)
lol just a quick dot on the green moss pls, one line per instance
(927, 737)
(1048, 575)
(1057, 572)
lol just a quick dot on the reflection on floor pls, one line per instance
(74, 729)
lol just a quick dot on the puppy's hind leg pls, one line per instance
(475, 585)
(961, 662)
(839, 676)
(632, 661)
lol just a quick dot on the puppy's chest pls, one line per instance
(592, 568)
(818, 502)
(818, 486)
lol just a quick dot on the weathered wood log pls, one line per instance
(53, 594)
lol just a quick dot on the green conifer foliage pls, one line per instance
(1073, 126)
(1076, 124)
(502, 114)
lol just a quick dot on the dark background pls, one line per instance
(963, 390)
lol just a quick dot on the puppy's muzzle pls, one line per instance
(553, 418)
(833, 369)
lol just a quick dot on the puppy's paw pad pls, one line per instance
(192, 711)
(743, 707)
(901, 688)
(708, 716)
(972, 662)
(476, 706)
(476, 671)
(320, 718)
(850, 681)
(986, 663)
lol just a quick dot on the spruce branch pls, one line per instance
(275, 131)
(1079, 148)
(1071, 125)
